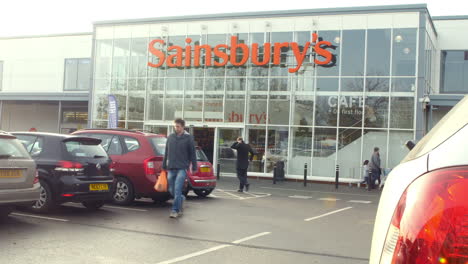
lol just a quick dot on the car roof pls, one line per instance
(4, 134)
(120, 131)
(45, 134)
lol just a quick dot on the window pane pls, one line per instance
(132, 144)
(277, 147)
(103, 58)
(301, 150)
(404, 52)
(234, 109)
(332, 36)
(214, 108)
(376, 112)
(193, 107)
(155, 107)
(257, 109)
(1, 75)
(378, 52)
(257, 142)
(279, 109)
(324, 155)
(349, 153)
(397, 149)
(235, 84)
(326, 111)
(377, 84)
(375, 138)
(214, 84)
(136, 104)
(402, 113)
(327, 84)
(403, 85)
(173, 106)
(258, 84)
(352, 84)
(454, 68)
(175, 71)
(353, 52)
(351, 111)
(138, 59)
(120, 54)
(84, 74)
(71, 74)
(213, 41)
(303, 110)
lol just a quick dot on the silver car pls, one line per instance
(19, 184)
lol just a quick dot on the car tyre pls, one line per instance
(46, 202)
(124, 193)
(93, 205)
(203, 192)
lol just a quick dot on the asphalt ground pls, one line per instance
(281, 223)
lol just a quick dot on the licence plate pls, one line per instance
(10, 173)
(98, 187)
(205, 169)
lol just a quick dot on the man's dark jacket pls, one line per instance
(180, 152)
(243, 151)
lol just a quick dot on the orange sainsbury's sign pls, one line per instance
(237, 54)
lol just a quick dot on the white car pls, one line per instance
(423, 210)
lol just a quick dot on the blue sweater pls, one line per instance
(180, 152)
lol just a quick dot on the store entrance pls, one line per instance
(204, 138)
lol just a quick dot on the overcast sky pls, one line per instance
(37, 17)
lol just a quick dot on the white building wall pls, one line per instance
(36, 64)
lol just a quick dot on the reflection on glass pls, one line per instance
(258, 84)
(227, 156)
(378, 52)
(213, 111)
(326, 111)
(376, 112)
(175, 84)
(122, 105)
(396, 147)
(136, 84)
(138, 57)
(352, 60)
(155, 107)
(402, 114)
(352, 84)
(135, 125)
(101, 104)
(118, 84)
(403, 84)
(120, 58)
(303, 110)
(404, 52)
(161, 130)
(101, 85)
(173, 107)
(173, 56)
(136, 105)
(324, 152)
(349, 158)
(334, 37)
(375, 138)
(234, 108)
(156, 84)
(279, 84)
(279, 109)
(327, 84)
(351, 110)
(235, 84)
(257, 142)
(103, 58)
(377, 84)
(214, 84)
(301, 150)
(277, 147)
(193, 106)
(257, 109)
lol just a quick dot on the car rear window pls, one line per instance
(453, 121)
(85, 149)
(12, 149)
(201, 155)
(158, 144)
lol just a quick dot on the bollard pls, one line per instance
(337, 176)
(305, 174)
(218, 170)
(274, 174)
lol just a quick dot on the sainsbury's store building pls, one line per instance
(316, 87)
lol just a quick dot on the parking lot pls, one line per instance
(282, 223)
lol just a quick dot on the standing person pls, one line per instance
(180, 153)
(242, 163)
(365, 171)
(374, 166)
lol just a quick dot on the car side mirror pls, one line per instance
(410, 144)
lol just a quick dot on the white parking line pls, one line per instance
(41, 217)
(359, 201)
(195, 254)
(238, 197)
(300, 197)
(329, 199)
(125, 208)
(333, 212)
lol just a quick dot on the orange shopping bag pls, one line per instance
(161, 183)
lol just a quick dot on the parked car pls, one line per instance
(138, 160)
(70, 168)
(19, 184)
(423, 211)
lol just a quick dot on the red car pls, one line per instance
(137, 160)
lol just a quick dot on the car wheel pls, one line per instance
(123, 193)
(5, 211)
(203, 192)
(46, 202)
(93, 205)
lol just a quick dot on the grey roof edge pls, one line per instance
(65, 96)
(278, 13)
(49, 35)
(450, 18)
(445, 99)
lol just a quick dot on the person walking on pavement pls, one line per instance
(374, 167)
(179, 155)
(242, 163)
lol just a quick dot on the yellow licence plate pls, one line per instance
(98, 187)
(205, 170)
(10, 173)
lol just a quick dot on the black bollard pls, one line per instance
(337, 176)
(274, 174)
(218, 170)
(305, 174)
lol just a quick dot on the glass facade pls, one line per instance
(319, 116)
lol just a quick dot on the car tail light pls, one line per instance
(65, 165)
(430, 223)
(150, 166)
(36, 177)
(68, 195)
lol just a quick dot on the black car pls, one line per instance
(70, 168)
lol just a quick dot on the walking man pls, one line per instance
(242, 163)
(179, 155)
(374, 167)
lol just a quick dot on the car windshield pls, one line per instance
(159, 145)
(451, 123)
(201, 155)
(12, 149)
(85, 149)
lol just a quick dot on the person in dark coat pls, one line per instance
(242, 163)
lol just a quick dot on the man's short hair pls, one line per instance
(240, 138)
(376, 149)
(180, 121)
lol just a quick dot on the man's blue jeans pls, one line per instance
(176, 179)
